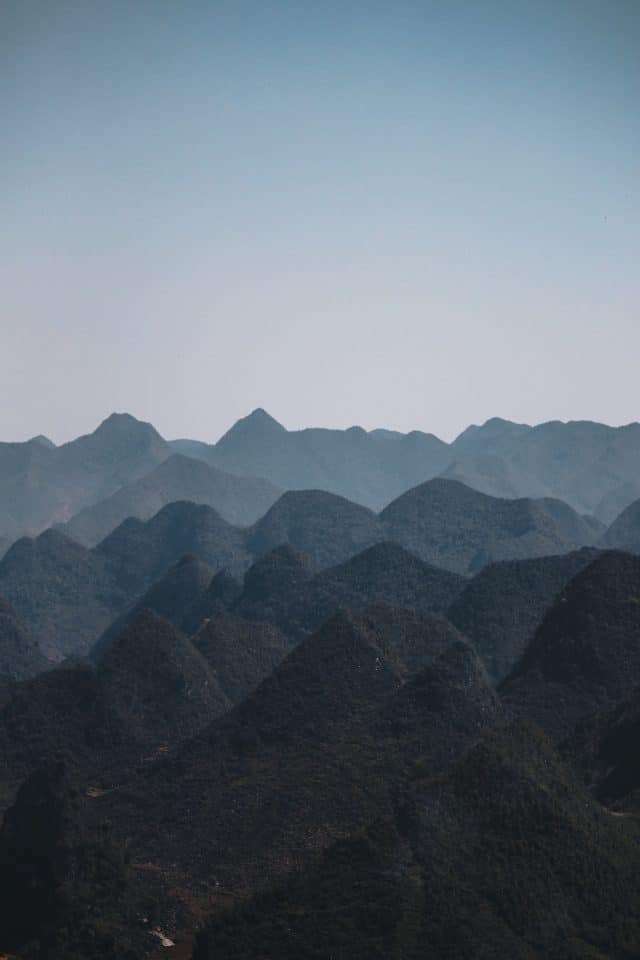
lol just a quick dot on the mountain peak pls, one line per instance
(251, 428)
(121, 423)
(43, 441)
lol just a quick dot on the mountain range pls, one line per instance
(67, 595)
(91, 484)
(273, 720)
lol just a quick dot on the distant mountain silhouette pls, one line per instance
(500, 609)
(41, 484)
(592, 467)
(238, 500)
(368, 468)
(585, 655)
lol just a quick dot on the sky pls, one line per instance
(412, 215)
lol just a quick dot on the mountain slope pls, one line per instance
(591, 466)
(41, 485)
(585, 655)
(158, 683)
(20, 657)
(502, 856)
(327, 527)
(64, 594)
(238, 500)
(502, 606)
(453, 526)
(624, 532)
(368, 468)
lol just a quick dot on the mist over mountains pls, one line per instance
(321, 694)
(91, 484)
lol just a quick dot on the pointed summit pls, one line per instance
(251, 429)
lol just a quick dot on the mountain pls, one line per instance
(64, 594)
(604, 752)
(41, 484)
(368, 468)
(272, 584)
(239, 500)
(63, 712)
(20, 657)
(171, 597)
(158, 683)
(240, 652)
(624, 532)
(503, 856)
(453, 526)
(67, 596)
(58, 872)
(592, 467)
(500, 609)
(585, 656)
(327, 527)
(383, 574)
(139, 552)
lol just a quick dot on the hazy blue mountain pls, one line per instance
(624, 532)
(593, 467)
(68, 596)
(368, 468)
(41, 484)
(240, 500)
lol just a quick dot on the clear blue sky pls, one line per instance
(400, 214)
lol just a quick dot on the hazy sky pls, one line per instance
(399, 214)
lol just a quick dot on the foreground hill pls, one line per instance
(239, 500)
(604, 752)
(585, 655)
(480, 863)
(500, 609)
